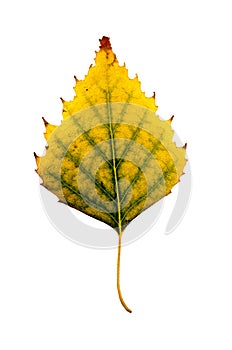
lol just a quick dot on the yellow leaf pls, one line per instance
(112, 157)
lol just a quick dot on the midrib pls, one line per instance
(112, 143)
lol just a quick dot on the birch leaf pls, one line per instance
(112, 157)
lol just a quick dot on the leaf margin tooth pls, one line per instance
(49, 128)
(45, 121)
(170, 119)
(37, 160)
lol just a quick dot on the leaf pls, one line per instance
(112, 157)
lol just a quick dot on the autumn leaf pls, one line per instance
(112, 157)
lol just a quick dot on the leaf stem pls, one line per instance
(118, 273)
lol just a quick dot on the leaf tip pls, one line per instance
(105, 43)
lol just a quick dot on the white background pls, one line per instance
(55, 294)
